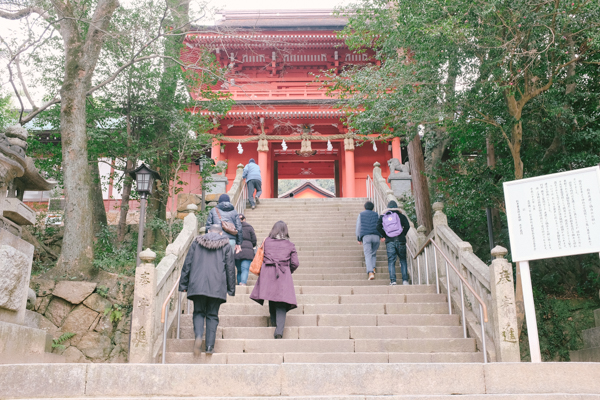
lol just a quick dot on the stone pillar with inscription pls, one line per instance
(504, 311)
(144, 306)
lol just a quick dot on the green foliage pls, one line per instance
(114, 312)
(170, 229)
(102, 291)
(560, 322)
(8, 115)
(58, 342)
(108, 257)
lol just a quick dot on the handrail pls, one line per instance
(240, 204)
(483, 313)
(164, 317)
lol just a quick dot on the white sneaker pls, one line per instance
(405, 282)
(371, 276)
(393, 283)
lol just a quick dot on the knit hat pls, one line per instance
(224, 198)
(252, 160)
(391, 204)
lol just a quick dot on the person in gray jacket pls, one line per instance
(227, 212)
(253, 181)
(208, 276)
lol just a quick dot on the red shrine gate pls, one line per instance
(288, 125)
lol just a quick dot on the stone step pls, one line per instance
(352, 290)
(335, 320)
(351, 299)
(334, 332)
(340, 269)
(308, 309)
(306, 275)
(362, 282)
(293, 381)
(291, 358)
(330, 345)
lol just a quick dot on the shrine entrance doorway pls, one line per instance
(304, 170)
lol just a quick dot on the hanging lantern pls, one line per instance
(240, 148)
(284, 145)
(374, 146)
(329, 145)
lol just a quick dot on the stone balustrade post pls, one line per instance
(237, 183)
(144, 309)
(504, 311)
(421, 237)
(439, 219)
(380, 184)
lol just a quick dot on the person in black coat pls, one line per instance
(395, 246)
(208, 276)
(243, 259)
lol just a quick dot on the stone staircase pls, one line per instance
(341, 316)
(349, 339)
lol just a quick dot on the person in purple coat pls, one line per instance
(275, 282)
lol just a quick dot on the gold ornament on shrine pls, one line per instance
(306, 149)
(348, 143)
(263, 144)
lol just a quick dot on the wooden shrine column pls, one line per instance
(263, 163)
(215, 151)
(349, 181)
(396, 151)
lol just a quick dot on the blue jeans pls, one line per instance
(370, 246)
(251, 185)
(396, 249)
(232, 243)
(243, 267)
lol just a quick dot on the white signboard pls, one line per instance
(554, 215)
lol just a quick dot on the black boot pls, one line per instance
(210, 349)
(197, 346)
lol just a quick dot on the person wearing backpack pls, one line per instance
(393, 226)
(368, 237)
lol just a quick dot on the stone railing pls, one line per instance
(493, 284)
(237, 193)
(152, 287)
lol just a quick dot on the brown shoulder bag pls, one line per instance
(226, 225)
(257, 262)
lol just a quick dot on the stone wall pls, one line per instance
(84, 308)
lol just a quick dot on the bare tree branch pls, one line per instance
(23, 85)
(22, 13)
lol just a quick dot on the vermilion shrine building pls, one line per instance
(273, 57)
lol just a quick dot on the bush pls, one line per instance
(108, 257)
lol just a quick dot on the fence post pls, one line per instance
(439, 219)
(504, 312)
(142, 318)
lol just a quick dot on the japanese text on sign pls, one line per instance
(554, 215)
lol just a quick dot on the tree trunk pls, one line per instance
(82, 48)
(99, 212)
(517, 140)
(419, 180)
(77, 251)
(127, 184)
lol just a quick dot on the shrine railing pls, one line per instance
(238, 193)
(153, 286)
(492, 284)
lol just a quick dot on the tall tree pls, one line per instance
(82, 28)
